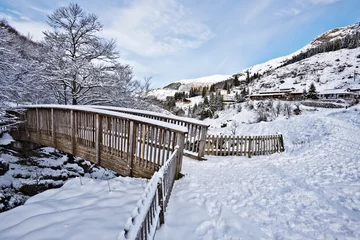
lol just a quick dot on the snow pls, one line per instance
(6, 139)
(311, 191)
(82, 209)
(204, 81)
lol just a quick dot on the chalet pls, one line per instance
(353, 90)
(229, 99)
(271, 95)
(337, 93)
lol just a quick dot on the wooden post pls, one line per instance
(250, 145)
(53, 128)
(282, 148)
(98, 138)
(180, 143)
(73, 137)
(203, 132)
(161, 203)
(132, 147)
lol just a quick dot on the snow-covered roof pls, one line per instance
(334, 91)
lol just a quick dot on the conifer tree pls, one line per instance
(312, 92)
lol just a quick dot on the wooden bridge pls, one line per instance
(128, 144)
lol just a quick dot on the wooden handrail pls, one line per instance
(153, 114)
(92, 109)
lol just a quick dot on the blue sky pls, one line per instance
(178, 39)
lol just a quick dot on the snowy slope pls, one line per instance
(329, 70)
(311, 191)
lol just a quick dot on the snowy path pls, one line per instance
(312, 191)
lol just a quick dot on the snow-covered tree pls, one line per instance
(312, 93)
(82, 66)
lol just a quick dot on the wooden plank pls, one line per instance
(203, 133)
(250, 146)
(98, 135)
(53, 134)
(132, 146)
(73, 139)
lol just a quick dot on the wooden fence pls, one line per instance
(128, 144)
(195, 137)
(243, 145)
(149, 211)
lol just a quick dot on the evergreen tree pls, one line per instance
(206, 101)
(247, 77)
(236, 81)
(312, 92)
(212, 88)
(204, 92)
(225, 86)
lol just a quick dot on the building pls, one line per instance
(337, 93)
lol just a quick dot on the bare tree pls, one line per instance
(287, 109)
(278, 108)
(81, 64)
(234, 126)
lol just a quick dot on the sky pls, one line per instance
(170, 40)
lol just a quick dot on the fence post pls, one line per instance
(250, 147)
(132, 147)
(203, 132)
(180, 143)
(282, 148)
(161, 202)
(53, 127)
(98, 138)
(73, 139)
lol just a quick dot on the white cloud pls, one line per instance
(288, 12)
(26, 26)
(325, 2)
(156, 28)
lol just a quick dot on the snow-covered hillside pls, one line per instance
(185, 85)
(331, 70)
(327, 70)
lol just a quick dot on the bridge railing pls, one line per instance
(195, 138)
(128, 144)
(149, 211)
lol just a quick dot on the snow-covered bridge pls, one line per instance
(130, 145)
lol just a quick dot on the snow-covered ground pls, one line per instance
(312, 191)
(83, 208)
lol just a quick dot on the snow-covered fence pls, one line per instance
(149, 211)
(243, 145)
(128, 144)
(195, 137)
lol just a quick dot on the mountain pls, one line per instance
(330, 61)
(185, 85)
